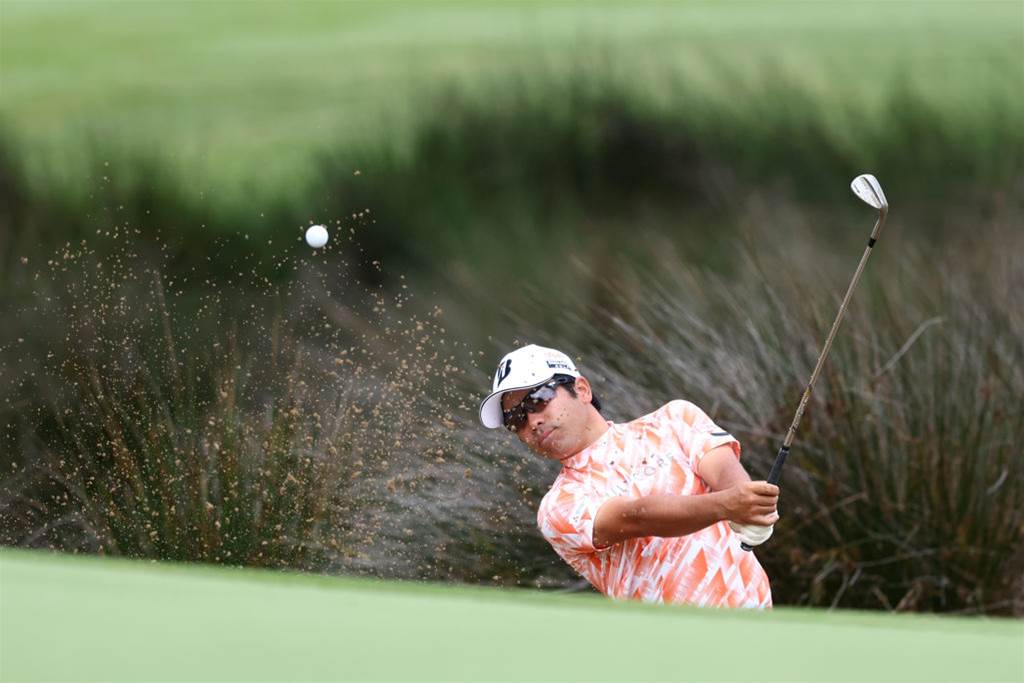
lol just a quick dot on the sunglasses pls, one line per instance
(536, 401)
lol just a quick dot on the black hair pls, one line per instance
(569, 382)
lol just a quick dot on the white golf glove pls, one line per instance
(752, 534)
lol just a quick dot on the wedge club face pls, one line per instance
(867, 188)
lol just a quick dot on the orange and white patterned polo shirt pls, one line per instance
(654, 454)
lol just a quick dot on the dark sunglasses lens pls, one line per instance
(515, 418)
(539, 397)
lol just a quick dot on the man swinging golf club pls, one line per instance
(655, 509)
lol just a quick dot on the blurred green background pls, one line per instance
(238, 98)
(659, 188)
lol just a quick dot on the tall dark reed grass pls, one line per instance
(150, 420)
(330, 426)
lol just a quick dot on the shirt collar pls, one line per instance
(582, 459)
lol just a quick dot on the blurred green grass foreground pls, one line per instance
(660, 188)
(172, 623)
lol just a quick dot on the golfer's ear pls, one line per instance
(583, 391)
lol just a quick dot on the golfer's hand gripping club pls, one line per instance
(756, 535)
(867, 188)
(750, 508)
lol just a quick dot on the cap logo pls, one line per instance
(503, 372)
(558, 364)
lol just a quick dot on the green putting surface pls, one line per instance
(80, 619)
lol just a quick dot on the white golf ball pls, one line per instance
(316, 236)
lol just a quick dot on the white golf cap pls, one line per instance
(524, 368)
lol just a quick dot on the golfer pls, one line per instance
(653, 509)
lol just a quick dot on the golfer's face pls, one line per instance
(549, 431)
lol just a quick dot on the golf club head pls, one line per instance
(867, 188)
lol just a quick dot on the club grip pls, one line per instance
(773, 477)
(776, 471)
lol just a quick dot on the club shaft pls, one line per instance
(780, 459)
(776, 470)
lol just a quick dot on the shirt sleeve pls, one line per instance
(566, 519)
(697, 433)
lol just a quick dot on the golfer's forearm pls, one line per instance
(669, 516)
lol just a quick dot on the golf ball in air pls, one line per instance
(316, 236)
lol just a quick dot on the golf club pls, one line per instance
(867, 188)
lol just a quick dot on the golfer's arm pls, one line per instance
(620, 519)
(721, 469)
